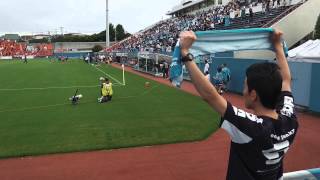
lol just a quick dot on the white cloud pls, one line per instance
(86, 16)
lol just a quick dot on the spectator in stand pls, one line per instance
(273, 3)
(263, 10)
(268, 6)
(164, 34)
(227, 20)
(278, 3)
(251, 15)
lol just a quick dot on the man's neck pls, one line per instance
(262, 111)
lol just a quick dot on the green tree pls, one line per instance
(44, 40)
(317, 29)
(120, 33)
(97, 48)
(102, 35)
(127, 35)
(98, 37)
(21, 41)
(111, 32)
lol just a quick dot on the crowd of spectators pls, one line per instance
(15, 49)
(161, 38)
(10, 48)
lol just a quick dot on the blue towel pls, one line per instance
(209, 42)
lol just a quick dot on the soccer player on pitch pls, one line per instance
(106, 91)
(25, 60)
(259, 140)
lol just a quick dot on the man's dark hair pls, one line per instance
(266, 80)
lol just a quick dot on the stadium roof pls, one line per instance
(308, 50)
(184, 4)
(11, 36)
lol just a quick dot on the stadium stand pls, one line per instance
(11, 48)
(14, 49)
(42, 50)
(162, 37)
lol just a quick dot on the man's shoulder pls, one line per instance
(240, 113)
(236, 113)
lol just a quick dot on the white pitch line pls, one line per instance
(57, 105)
(108, 75)
(62, 87)
(33, 108)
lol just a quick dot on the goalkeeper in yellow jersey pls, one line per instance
(106, 91)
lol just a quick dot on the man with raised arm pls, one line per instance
(259, 140)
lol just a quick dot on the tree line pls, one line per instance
(115, 33)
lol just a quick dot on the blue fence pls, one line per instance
(311, 174)
(74, 55)
(238, 68)
(315, 88)
(301, 82)
(305, 76)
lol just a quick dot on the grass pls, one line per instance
(42, 121)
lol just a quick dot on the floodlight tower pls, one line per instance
(107, 25)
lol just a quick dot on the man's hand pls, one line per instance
(187, 38)
(281, 60)
(277, 39)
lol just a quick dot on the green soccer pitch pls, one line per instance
(37, 118)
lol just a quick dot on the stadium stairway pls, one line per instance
(259, 19)
(296, 22)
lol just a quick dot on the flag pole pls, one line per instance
(107, 25)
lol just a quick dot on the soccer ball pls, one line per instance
(101, 78)
(147, 84)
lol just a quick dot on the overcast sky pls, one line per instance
(85, 16)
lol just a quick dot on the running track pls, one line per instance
(204, 160)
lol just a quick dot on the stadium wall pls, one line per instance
(6, 57)
(76, 46)
(238, 68)
(315, 88)
(301, 82)
(72, 55)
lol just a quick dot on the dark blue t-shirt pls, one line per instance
(259, 143)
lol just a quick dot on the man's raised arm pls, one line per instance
(207, 91)
(282, 61)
